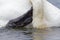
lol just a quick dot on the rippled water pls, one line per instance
(12, 34)
(29, 34)
(47, 34)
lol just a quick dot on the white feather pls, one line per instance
(11, 9)
(45, 14)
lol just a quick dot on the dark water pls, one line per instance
(30, 34)
(12, 34)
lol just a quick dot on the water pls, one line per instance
(55, 2)
(47, 34)
(12, 34)
(30, 34)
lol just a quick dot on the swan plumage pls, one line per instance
(52, 14)
(11, 9)
(45, 14)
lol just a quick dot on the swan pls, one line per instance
(13, 9)
(45, 14)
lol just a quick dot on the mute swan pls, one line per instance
(13, 9)
(45, 14)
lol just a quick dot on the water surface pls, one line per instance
(12, 34)
(55, 3)
(47, 34)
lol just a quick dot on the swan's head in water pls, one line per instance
(15, 13)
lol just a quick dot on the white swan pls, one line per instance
(45, 14)
(11, 9)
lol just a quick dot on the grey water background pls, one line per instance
(29, 34)
(14, 34)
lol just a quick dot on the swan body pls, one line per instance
(52, 14)
(45, 14)
(11, 9)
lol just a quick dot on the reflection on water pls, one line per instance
(27, 34)
(47, 34)
(11, 34)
